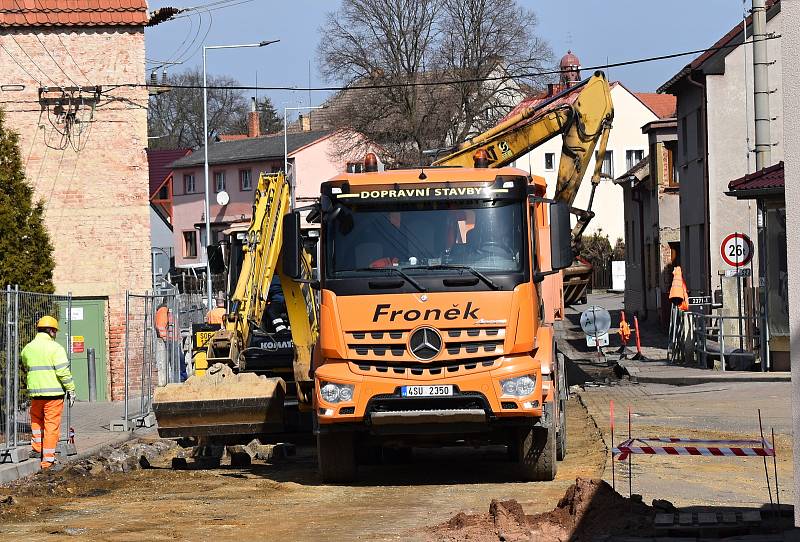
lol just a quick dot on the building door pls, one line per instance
(89, 331)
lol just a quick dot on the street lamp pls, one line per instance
(286, 148)
(206, 204)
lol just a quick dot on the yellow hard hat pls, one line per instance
(47, 322)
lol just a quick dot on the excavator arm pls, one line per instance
(585, 125)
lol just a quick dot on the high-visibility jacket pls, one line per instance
(47, 366)
(215, 315)
(165, 324)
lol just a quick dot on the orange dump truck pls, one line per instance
(432, 316)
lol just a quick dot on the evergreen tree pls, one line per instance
(26, 254)
(271, 120)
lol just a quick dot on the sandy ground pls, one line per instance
(286, 501)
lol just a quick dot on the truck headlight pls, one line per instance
(336, 393)
(519, 386)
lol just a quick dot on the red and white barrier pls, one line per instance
(703, 447)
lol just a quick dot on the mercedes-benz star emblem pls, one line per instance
(425, 343)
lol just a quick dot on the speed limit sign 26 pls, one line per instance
(737, 249)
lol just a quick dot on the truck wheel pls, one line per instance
(561, 441)
(534, 451)
(336, 457)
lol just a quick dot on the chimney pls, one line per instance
(253, 120)
(305, 123)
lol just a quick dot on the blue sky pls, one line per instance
(598, 31)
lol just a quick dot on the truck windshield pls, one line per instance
(426, 237)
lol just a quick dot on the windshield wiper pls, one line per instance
(489, 282)
(397, 270)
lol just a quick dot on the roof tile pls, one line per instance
(663, 105)
(768, 178)
(26, 13)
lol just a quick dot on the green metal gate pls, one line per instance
(89, 331)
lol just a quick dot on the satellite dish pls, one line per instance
(595, 321)
(223, 198)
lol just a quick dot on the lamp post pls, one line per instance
(286, 148)
(206, 204)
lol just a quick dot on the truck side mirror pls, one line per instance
(560, 236)
(292, 246)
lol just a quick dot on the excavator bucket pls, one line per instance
(220, 403)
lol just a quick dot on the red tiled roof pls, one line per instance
(766, 179)
(538, 99)
(73, 13)
(158, 162)
(663, 105)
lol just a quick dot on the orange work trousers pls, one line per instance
(46, 427)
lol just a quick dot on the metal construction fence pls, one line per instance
(703, 338)
(157, 338)
(20, 311)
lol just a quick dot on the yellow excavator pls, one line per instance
(230, 394)
(232, 399)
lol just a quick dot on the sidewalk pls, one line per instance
(655, 368)
(91, 424)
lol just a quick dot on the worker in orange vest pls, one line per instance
(48, 381)
(217, 314)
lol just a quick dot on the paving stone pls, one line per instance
(751, 516)
(707, 518)
(664, 520)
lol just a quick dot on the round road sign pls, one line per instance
(595, 320)
(737, 249)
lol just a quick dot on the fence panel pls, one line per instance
(19, 312)
(157, 338)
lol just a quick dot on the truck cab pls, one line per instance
(434, 324)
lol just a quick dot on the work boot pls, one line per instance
(47, 464)
(34, 454)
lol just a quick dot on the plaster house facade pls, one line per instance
(85, 158)
(626, 147)
(234, 166)
(715, 139)
(652, 223)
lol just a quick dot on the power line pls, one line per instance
(73, 59)
(34, 63)
(431, 83)
(20, 65)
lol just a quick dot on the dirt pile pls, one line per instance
(588, 510)
(219, 382)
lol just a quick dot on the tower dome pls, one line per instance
(570, 68)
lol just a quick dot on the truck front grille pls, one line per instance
(457, 344)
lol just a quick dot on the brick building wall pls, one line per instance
(95, 191)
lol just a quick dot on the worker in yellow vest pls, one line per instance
(48, 380)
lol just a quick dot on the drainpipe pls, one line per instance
(638, 201)
(761, 84)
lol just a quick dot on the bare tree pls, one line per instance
(494, 40)
(401, 47)
(175, 117)
(383, 42)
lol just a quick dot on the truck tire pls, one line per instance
(561, 441)
(336, 457)
(534, 451)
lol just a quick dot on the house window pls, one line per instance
(672, 179)
(549, 161)
(219, 181)
(190, 244)
(608, 162)
(632, 158)
(245, 180)
(188, 183)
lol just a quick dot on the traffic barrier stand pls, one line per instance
(624, 336)
(677, 446)
(638, 355)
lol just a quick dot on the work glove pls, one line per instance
(71, 398)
